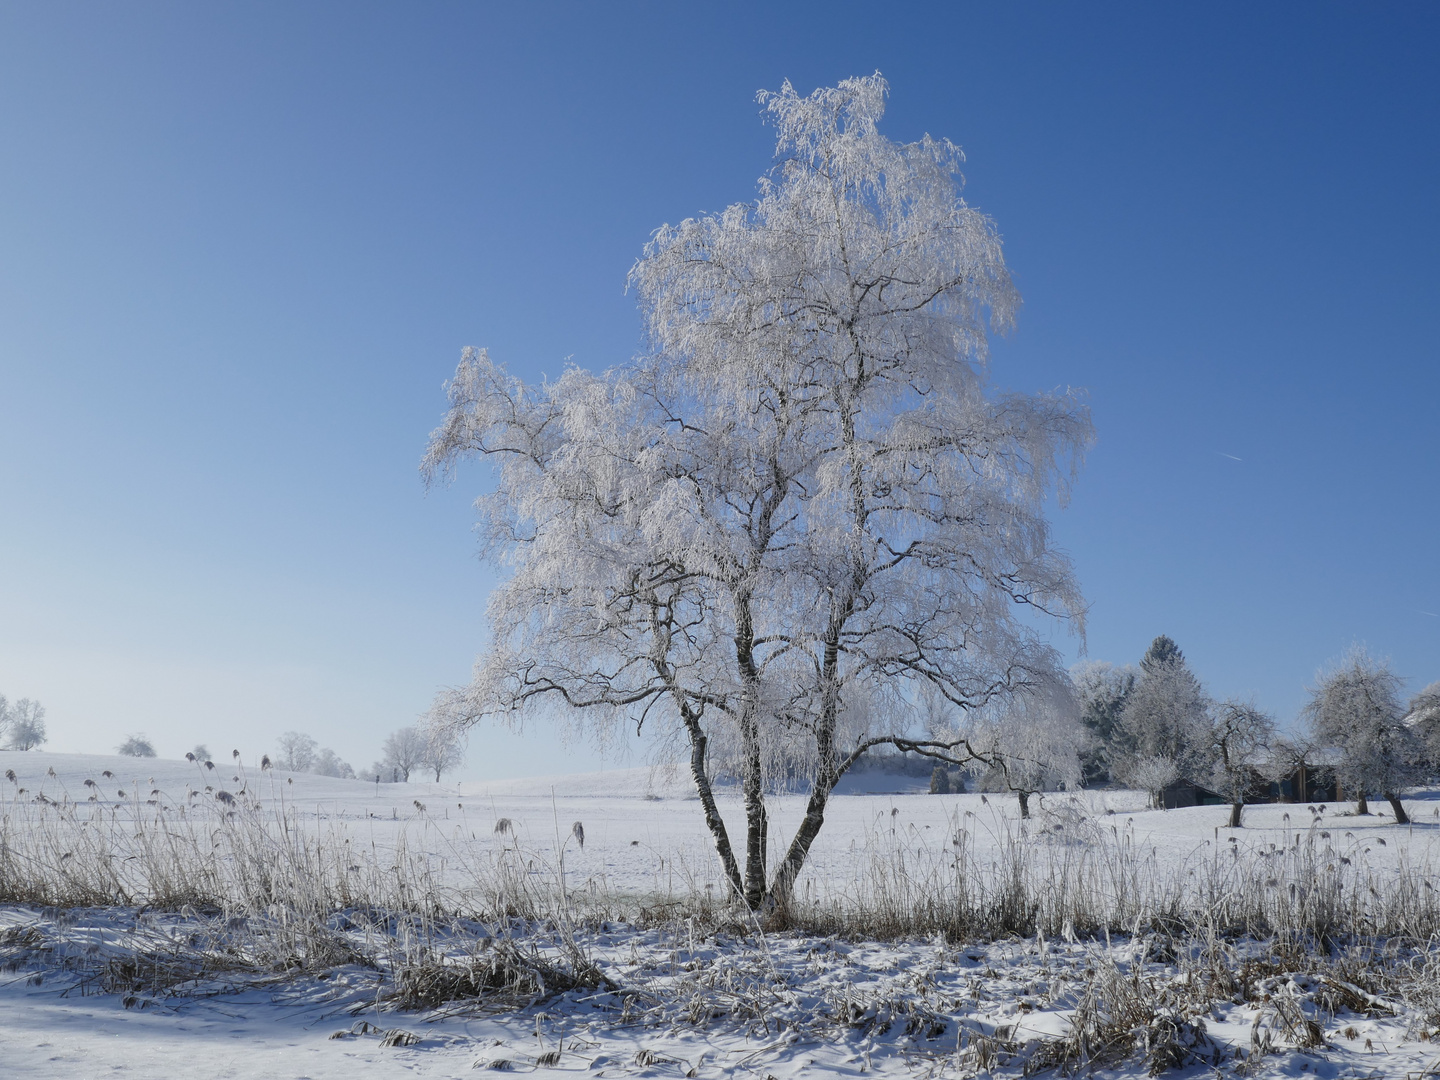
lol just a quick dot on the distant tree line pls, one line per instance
(1153, 724)
(428, 753)
(407, 751)
(299, 753)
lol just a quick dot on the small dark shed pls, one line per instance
(1188, 793)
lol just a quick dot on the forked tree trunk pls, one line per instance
(827, 777)
(829, 772)
(1362, 805)
(1401, 817)
(1236, 809)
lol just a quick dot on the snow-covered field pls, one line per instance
(683, 994)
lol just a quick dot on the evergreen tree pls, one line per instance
(1165, 717)
(1162, 651)
(1102, 689)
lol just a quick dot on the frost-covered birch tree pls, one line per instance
(804, 503)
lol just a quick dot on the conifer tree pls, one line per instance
(1162, 651)
(1102, 689)
(1165, 717)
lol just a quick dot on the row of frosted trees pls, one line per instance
(1150, 725)
(406, 751)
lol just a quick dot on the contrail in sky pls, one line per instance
(1232, 457)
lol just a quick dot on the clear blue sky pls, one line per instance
(242, 245)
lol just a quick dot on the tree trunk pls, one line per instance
(825, 781)
(1362, 805)
(1236, 809)
(1401, 817)
(827, 776)
(842, 608)
(698, 744)
(1024, 805)
(752, 779)
(752, 787)
(785, 876)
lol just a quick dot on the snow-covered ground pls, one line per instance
(820, 1007)
(790, 1004)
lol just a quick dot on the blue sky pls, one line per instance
(241, 247)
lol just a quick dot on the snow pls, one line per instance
(798, 1004)
(310, 1030)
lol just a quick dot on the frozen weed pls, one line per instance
(503, 976)
(1119, 1015)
